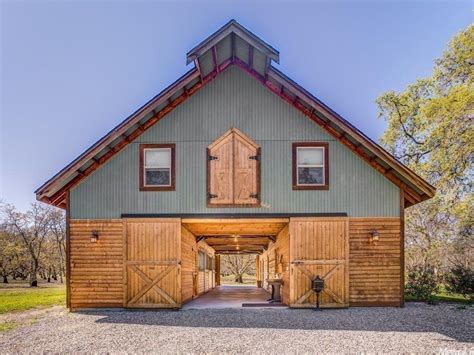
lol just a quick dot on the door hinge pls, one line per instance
(210, 157)
(209, 195)
(254, 157)
(253, 196)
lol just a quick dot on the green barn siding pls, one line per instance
(235, 100)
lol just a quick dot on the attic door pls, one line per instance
(233, 171)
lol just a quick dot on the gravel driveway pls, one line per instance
(415, 328)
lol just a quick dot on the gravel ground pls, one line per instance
(417, 328)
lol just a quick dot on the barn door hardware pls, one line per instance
(209, 195)
(254, 157)
(210, 157)
(253, 196)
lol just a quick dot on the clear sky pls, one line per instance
(71, 70)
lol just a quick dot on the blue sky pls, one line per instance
(71, 70)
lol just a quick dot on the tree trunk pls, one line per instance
(34, 271)
(5, 280)
(238, 278)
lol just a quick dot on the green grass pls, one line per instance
(27, 298)
(248, 280)
(442, 297)
(5, 327)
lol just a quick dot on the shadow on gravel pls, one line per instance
(446, 320)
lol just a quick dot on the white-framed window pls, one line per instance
(310, 165)
(157, 167)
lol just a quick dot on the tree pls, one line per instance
(238, 265)
(431, 130)
(32, 228)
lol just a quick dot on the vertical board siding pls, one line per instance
(319, 247)
(206, 278)
(375, 270)
(282, 247)
(96, 268)
(188, 264)
(153, 263)
(234, 99)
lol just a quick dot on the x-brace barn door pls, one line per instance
(152, 264)
(319, 247)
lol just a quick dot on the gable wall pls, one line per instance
(235, 100)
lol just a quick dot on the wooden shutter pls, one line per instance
(220, 172)
(233, 171)
(246, 161)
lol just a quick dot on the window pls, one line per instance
(310, 166)
(202, 261)
(157, 167)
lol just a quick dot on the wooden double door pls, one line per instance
(319, 247)
(233, 171)
(152, 263)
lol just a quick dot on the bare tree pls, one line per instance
(32, 227)
(58, 229)
(238, 265)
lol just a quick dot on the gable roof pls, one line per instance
(233, 45)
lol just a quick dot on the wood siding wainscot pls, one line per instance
(96, 268)
(188, 265)
(374, 266)
(282, 253)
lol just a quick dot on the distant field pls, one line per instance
(248, 280)
(20, 297)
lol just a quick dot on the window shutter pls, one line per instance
(220, 173)
(246, 161)
(233, 171)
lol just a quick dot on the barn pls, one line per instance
(234, 157)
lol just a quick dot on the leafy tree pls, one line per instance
(431, 130)
(238, 265)
(460, 279)
(422, 282)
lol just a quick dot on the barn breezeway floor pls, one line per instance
(417, 328)
(229, 297)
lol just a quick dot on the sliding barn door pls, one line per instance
(319, 247)
(233, 171)
(152, 263)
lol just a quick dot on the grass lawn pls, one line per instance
(247, 279)
(443, 296)
(21, 299)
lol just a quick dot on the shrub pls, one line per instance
(422, 283)
(461, 280)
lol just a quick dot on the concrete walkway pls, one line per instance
(229, 297)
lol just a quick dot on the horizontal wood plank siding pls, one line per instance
(96, 268)
(188, 264)
(235, 100)
(374, 272)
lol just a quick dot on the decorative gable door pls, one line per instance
(233, 171)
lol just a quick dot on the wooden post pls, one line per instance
(402, 248)
(218, 270)
(68, 250)
(258, 271)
